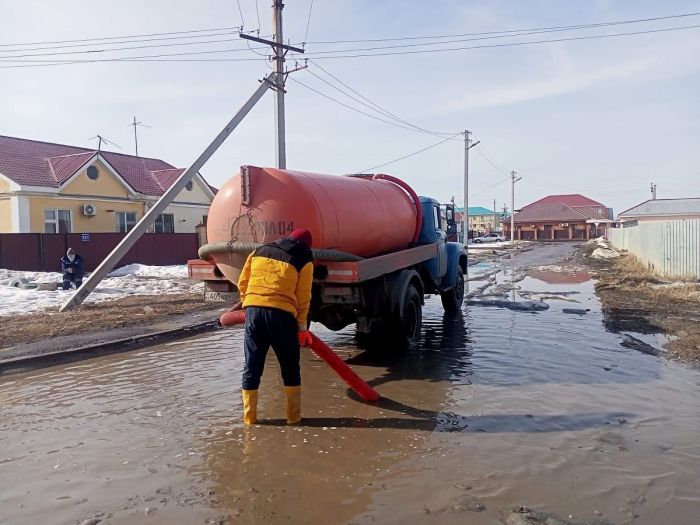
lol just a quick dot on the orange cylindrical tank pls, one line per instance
(358, 215)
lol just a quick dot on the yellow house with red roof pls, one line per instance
(54, 188)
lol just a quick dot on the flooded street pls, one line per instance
(497, 408)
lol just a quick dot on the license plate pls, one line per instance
(224, 297)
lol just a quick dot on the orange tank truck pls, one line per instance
(378, 247)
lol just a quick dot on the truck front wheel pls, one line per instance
(453, 298)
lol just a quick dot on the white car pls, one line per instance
(490, 237)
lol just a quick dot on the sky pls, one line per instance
(601, 117)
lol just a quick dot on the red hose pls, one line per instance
(414, 196)
(323, 351)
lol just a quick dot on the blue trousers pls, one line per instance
(265, 327)
(69, 278)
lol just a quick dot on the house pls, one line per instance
(55, 188)
(561, 217)
(662, 210)
(481, 220)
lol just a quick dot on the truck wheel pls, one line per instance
(412, 316)
(452, 299)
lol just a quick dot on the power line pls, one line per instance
(373, 106)
(408, 155)
(390, 122)
(308, 21)
(489, 188)
(551, 28)
(125, 41)
(508, 44)
(257, 13)
(241, 13)
(104, 39)
(127, 48)
(147, 58)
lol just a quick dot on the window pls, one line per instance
(126, 220)
(57, 221)
(436, 217)
(92, 173)
(165, 223)
(189, 186)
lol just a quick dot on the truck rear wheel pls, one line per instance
(406, 329)
(453, 298)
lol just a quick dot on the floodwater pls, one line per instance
(496, 409)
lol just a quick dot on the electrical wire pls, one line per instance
(390, 122)
(489, 188)
(374, 107)
(407, 156)
(257, 13)
(127, 48)
(551, 28)
(241, 13)
(508, 44)
(123, 37)
(146, 58)
(308, 21)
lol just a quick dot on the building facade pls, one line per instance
(54, 188)
(561, 217)
(481, 220)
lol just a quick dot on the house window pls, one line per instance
(126, 220)
(165, 223)
(57, 221)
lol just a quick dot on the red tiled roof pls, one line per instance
(573, 200)
(65, 166)
(551, 212)
(35, 163)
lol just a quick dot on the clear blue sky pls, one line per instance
(599, 117)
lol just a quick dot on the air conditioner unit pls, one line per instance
(89, 209)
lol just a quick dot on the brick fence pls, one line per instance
(43, 251)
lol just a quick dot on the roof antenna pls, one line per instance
(136, 139)
(101, 139)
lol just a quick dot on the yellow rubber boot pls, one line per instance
(293, 404)
(250, 406)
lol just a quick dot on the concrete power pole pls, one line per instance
(465, 214)
(280, 140)
(495, 227)
(513, 180)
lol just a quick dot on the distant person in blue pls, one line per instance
(72, 268)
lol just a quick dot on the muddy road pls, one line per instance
(497, 408)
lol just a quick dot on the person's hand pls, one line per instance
(305, 338)
(70, 270)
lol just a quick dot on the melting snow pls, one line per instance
(133, 279)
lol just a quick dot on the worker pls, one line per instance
(72, 268)
(275, 291)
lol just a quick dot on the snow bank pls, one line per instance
(605, 253)
(133, 279)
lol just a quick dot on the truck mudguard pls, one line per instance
(398, 284)
(456, 261)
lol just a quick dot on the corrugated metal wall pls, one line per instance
(672, 248)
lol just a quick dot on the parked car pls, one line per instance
(490, 237)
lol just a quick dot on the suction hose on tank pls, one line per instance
(207, 250)
(414, 196)
(322, 350)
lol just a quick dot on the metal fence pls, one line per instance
(43, 251)
(672, 248)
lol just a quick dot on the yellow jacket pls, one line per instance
(279, 275)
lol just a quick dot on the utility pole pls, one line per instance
(653, 191)
(280, 140)
(494, 216)
(465, 215)
(136, 138)
(513, 180)
(280, 50)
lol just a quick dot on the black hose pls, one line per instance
(206, 251)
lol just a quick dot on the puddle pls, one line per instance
(496, 409)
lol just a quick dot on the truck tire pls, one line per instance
(453, 298)
(407, 329)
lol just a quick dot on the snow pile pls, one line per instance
(604, 250)
(133, 279)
